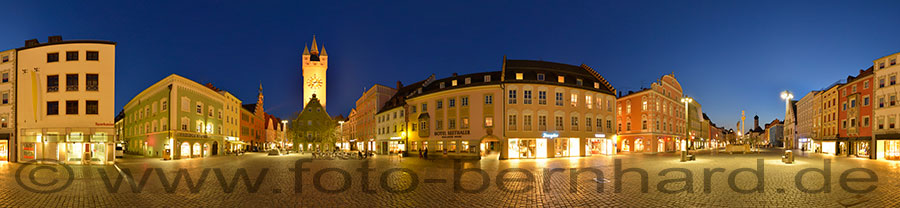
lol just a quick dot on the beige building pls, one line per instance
(7, 112)
(65, 108)
(887, 108)
(809, 114)
(555, 110)
(454, 116)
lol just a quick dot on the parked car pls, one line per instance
(120, 151)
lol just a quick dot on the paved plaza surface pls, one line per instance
(333, 183)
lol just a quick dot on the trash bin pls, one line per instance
(788, 157)
(167, 155)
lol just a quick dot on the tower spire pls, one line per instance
(323, 51)
(315, 48)
(305, 49)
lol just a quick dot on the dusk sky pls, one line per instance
(728, 55)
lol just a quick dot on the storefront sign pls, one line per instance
(550, 135)
(600, 135)
(451, 134)
(395, 138)
(104, 124)
(185, 134)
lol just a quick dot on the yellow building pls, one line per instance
(887, 108)
(829, 126)
(65, 105)
(231, 123)
(7, 112)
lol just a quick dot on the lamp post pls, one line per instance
(787, 96)
(687, 126)
(283, 133)
(342, 132)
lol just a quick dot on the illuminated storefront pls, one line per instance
(601, 145)
(527, 148)
(4, 150)
(829, 147)
(862, 148)
(73, 146)
(888, 149)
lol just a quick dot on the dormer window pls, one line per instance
(540, 77)
(453, 83)
(561, 79)
(579, 82)
(442, 85)
(519, 76)
(596, 85)
(487, 78)
(468, 80)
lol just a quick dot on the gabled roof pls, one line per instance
(399, 97)
(530, 69)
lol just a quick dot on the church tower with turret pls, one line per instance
(314, 65)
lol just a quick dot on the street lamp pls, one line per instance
(687, 126)
(787, 96)
(342, 132)
(283, 132)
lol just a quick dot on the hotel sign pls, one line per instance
(549, 135)
(451, 134)
(185, 134)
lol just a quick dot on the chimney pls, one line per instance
(454, 74)
(32, 42)
(399, 85)
(54, 39)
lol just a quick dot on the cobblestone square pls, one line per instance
(333, 183)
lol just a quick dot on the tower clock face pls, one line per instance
(314, 83)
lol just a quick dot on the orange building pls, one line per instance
(253, 120)
(855, 113)
(651, 120)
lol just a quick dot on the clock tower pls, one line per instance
(314, 66)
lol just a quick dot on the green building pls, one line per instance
(175, 118)
(313, 129)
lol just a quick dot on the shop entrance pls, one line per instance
(4, 150)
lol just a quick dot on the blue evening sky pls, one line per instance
(728, 55)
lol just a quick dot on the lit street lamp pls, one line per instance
(342, 132)
(687, 126)
(787, 96)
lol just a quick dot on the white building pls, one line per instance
(65, 108)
